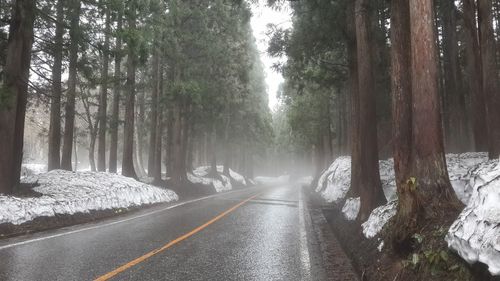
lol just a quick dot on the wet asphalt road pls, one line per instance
(263, 239)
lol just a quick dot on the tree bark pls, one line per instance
(54, 157)
(115, 115)
(93, 131)
(428, 194)
(402, 117)
(213, 151)
(128, 134)
(170, 142)
(370, 189)
(14, 93)
(103, 97)
(154, 111)
(490, 76)
(353, 83)
(69, 120)
(157, 154)
(456, 124)
(474, 76)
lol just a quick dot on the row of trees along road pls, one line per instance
(156, 85)
(404, 78)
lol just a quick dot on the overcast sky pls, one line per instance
(262, 16)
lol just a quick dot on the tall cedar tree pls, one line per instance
(128, 132)
(117, 86)
(456, 123)
(490, 76)
(54, 158)
(370, 186)
(103, 97)
(69, 120)
(13, 95)
(427, 195)
(474, 76)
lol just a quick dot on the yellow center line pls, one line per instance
(138, 260)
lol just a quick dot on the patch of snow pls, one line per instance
(351, 208)
(66, 193)
(30, 169)
(380, 246)
(217, 184)
(475, 235)
(461, 169)
(378, 218)
(337, 179)
(204, 170)
(388, 178)
(334, 183)
(272, 180)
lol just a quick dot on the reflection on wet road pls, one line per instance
(262, 239)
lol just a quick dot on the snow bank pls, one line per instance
(66, 193)
(461, 169)
(475, 235)
(200, 173)
(220, 185)
(351, 208)
(334, 184)
(272, 180)
(30, 169)
(378, 218)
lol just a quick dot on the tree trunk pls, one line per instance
(370, 189)
(170, 142)
(474, 76)
(69, 120)
(428, 195)
(157, 154)
(227, 142)
(128, 134)
(154, 111)
(103, 97)
(490, 76)
(115, 115)
(401, 115)
(352, 59)
(92, 134)
(14, 93)
(54, 157)
(140, 131)
(213, 152)
(456, 128)
(177, 176)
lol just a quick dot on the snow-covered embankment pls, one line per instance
(475, 235)
(201, 176)
(67, 193)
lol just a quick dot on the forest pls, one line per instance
(155, 89)
(143, 86)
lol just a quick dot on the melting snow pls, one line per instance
(199, 176)
(334, 184)
(378, 218)
(475, 235)
(32, 169)
(351, 208)
(66, 192)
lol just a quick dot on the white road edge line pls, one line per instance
(115, 222)
(305, 260)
